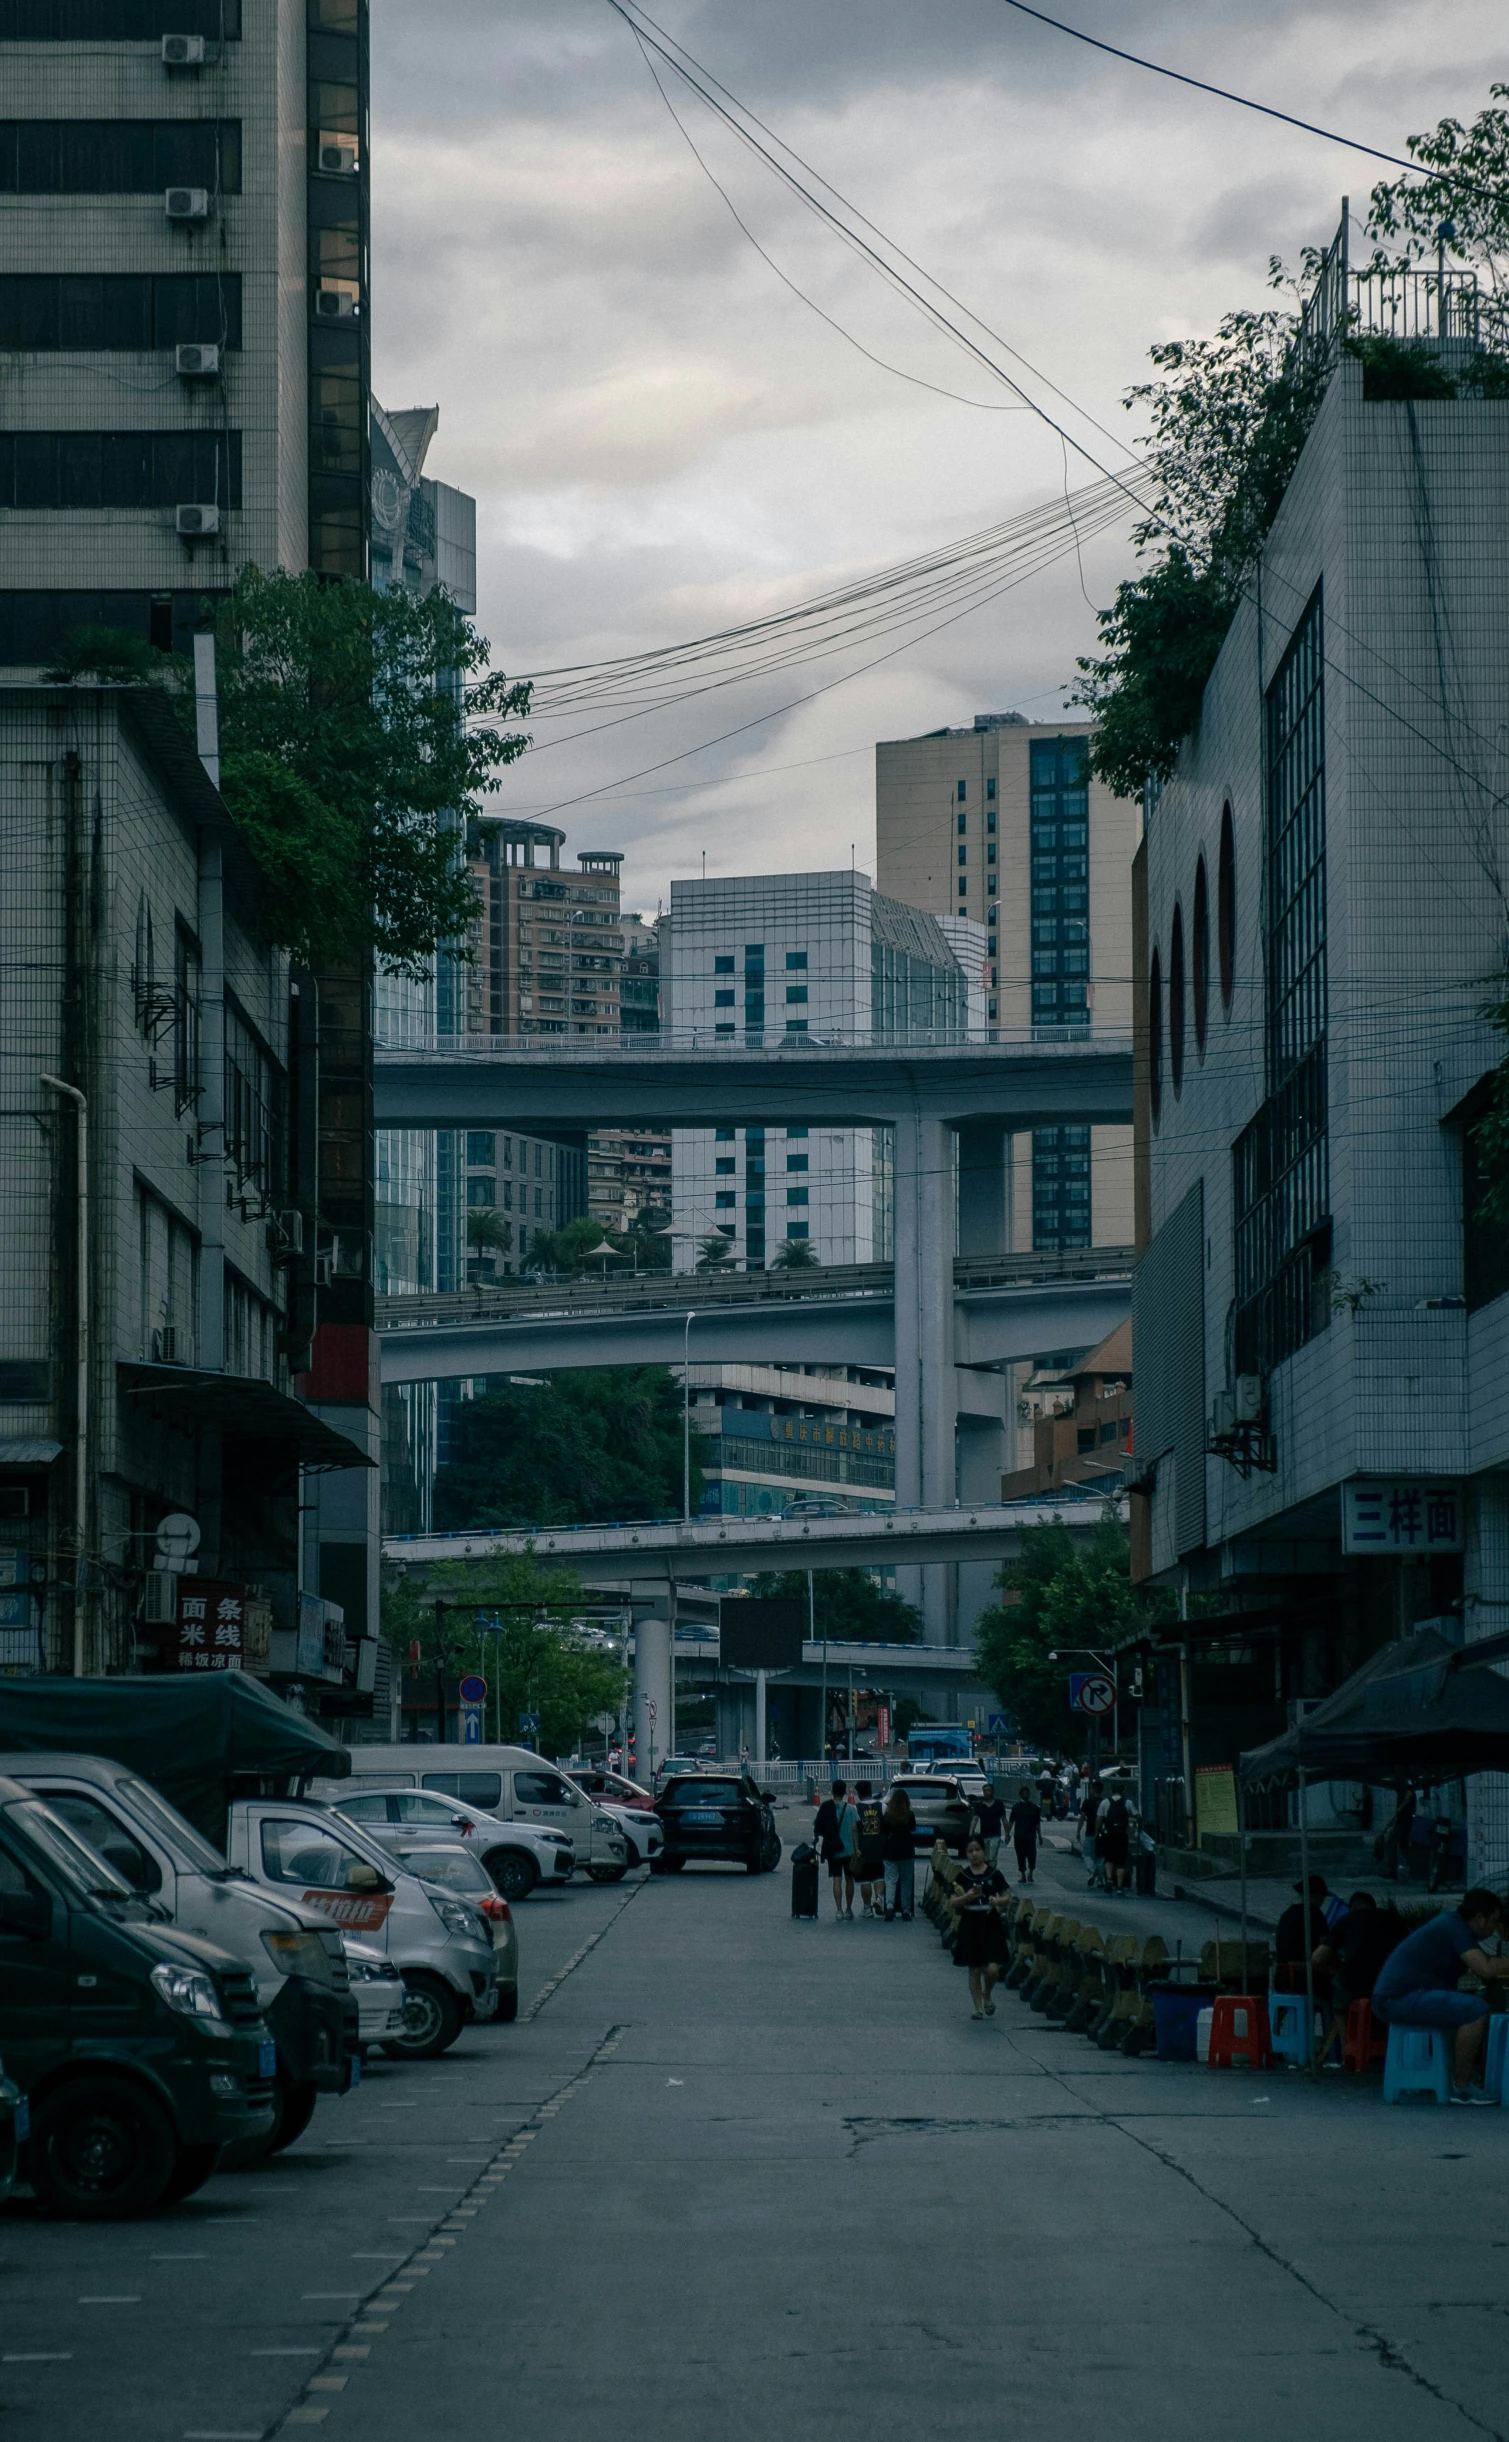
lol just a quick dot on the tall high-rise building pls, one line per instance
(774, 958)
(183, 308)
(1003, 824)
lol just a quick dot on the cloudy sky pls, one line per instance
(664, 440)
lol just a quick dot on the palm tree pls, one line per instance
(487, 1235)
(715, 1253)
(795, 1255)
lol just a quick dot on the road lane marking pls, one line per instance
(37, 2357)
(178, 2259)
(333, 2297)
(111, 2298)
(310, 2348)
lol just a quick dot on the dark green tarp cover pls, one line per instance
(1420, 1711)
(188, 1737)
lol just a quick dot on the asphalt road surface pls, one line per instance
(740, 2177)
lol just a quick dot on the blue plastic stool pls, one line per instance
(1496, 2060)
(1417, 2062)
(1287, 2013)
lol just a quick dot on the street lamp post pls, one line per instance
(686, 1420)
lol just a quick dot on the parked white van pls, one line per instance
(510, 1783)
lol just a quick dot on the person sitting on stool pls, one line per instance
(1417, 1985)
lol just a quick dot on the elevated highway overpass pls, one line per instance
(1005, 1309)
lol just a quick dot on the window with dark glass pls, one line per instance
(1199, 959)
(118, 156)
(118, 20)
(1061, 1215)
(1280, 1162)
(1176, 1003)
(119, 470)
(1058, 841)
(108, 311)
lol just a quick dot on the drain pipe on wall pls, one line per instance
(210, 1109)
(80, 1102)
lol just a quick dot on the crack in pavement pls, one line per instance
(1387, 2352)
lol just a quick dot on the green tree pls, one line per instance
(487, 1233)
(534, 1662)
(715, 1254)
(848, 1605)
(600, 1443)
(796, 1255)
(1059, 1595)
(358, 733)
(1465, 186)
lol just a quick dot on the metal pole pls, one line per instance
(1304, 1876)
(80, 1103)
(1242, 1854)
(686, 1424)
(822, 1722)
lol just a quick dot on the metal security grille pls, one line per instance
(1280, 1167)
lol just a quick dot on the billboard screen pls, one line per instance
(763, 1632)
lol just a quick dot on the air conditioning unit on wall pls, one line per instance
(196, 359)
(187, 203)
(197, 517)
(184, 50)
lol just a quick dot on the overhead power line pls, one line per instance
(1244, 101)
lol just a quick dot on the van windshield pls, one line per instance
(174, 1828)
(82, 1868)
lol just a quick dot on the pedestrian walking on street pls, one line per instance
(833, 1830)
(1026, 1821)
(869, 1835)
(1116, 1840)
(978, 1896)
(899, 1849)
(989, 1820)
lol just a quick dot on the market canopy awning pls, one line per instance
(238, 1404)
(1422, 1710)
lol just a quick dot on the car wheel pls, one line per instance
(508, 2005)
(755, 1864)
(514, 1873)
(195, 2164)
(295, 2099)
(671, 1865)
(101, 2150)
(431, 2019)
(607, 1873)
(770, 1856)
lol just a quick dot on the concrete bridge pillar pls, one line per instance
(652, 1711)
(985, 1187)
(924, 1188)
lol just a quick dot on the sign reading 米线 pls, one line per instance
(1402, 1516)
(210, 1630)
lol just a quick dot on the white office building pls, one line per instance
(783, 959)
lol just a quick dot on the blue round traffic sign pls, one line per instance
(473, 1688)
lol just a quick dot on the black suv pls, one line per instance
(718, 1815)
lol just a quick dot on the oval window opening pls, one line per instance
(1199, 959)
(1155, 1038)
(1176, 1003)
(1226, 910)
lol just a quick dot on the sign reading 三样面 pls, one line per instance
(211, 1625)
(1402, 1516)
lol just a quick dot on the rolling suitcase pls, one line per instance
(804, 1880)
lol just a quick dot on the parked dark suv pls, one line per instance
(721, 1815)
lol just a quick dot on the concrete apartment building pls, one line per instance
(153, 1318)
(1321, 1315)
(1000, 825)
(184, 351)
(771, 958)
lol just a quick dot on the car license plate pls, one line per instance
(267, 2060)
(23, 2121)
(701, 1814)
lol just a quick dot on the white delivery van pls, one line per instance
(510, 1783)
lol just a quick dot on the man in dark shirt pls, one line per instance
(988, 1821)
(1418, 1983)
(1293, 1938)
(1026, 1816)
(1354, 1950)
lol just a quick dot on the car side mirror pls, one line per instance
(769, 1796)
(365, 1878)
(28, 1913)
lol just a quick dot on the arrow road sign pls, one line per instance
(1090, 1691)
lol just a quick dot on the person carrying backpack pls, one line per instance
(869, 1837)
(1116, 1840)
(833, 1829)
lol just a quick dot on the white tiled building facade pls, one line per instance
(1324, 897)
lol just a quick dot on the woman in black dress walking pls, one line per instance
(976, 1901)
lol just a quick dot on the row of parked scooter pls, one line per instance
(172, 2005)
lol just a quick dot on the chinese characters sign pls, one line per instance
(1401, 1518)
(211, 1627)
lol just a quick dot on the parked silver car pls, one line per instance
(448, 1866)
(377, 1990)
(517, 1856)
(942, 1808)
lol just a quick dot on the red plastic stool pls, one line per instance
(1364, 2043)
(1228, 2039)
